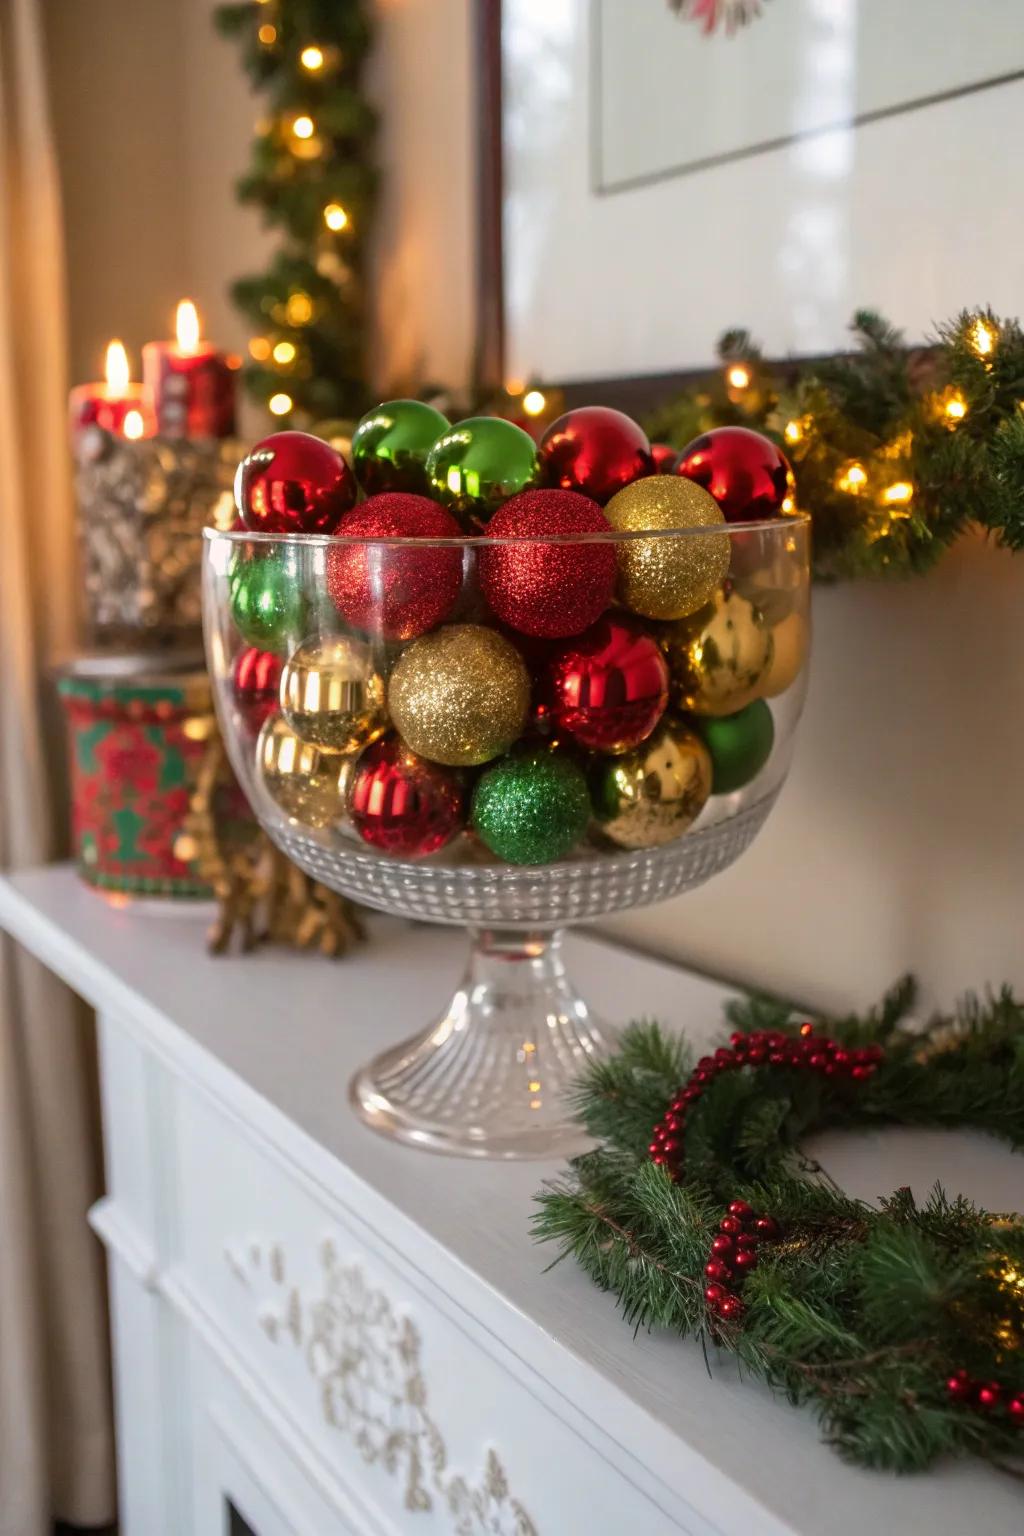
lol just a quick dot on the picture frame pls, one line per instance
(612, 288)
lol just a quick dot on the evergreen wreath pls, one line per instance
(899, 1326)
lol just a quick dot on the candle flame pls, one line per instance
(186, 325)
(118, 372)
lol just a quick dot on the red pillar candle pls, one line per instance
(116, 405)
(192, 384)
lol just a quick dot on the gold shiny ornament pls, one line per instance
(718, 657)
(332, 694)
(309, 783)
(654, 793)
(459, 696)
(668, 578)
(790, 644)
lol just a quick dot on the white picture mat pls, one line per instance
(914, 214)
(800, 67)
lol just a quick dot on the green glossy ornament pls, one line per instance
(478, 464)
(391, 443)
(266, 599)
(739, 745)
(532, 807)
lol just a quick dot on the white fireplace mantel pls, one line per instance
(335, 1334)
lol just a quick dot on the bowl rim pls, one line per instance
(777, 526)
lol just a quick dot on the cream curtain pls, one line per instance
(55, 1432)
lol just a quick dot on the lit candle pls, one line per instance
(192, 384)
(117, 405)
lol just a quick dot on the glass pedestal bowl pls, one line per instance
(408, 749)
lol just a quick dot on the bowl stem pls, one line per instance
(490, 1077)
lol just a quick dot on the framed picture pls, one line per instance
(669, 169)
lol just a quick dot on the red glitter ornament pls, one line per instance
(292, 482)
(542, 589)
(402, 804)
(255, 676)
(392, 591)
(746, 473)
(665, 458)
(595, 450)
(609, 688)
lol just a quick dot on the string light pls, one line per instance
(280, 405)
(284, 353)
(983, 338)
(299, 309)
(956, 407)
(312, 58)
(898, 494)
(515, 387)
(335, 216)
(304, 127)
(788, 505)
(794, 432)
(267, 34)
(852, 479)
(259, 348)
(738, 376)
(534, 402)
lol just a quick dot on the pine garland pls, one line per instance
(896, 452)
(312, 175)
(899, 1326)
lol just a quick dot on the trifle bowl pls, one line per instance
(509, 728)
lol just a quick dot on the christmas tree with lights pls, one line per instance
(311, 173)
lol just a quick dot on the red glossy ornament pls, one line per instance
(542, 589)
(745, 1261)
(1015, 1408)
(390, 590)
(729, 1225)
(739, 1208)
(292, 482)
(959, 1386)
(722, 1245)
(990, 1395)
(255, 676)
(716, 1270)
(402, 804)
(746, 473)
(731, 1308)
(714, 1293)
(595, 450)
(665, 458)
(609, 688)
(766, 1227)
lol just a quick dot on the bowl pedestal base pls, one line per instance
(491, 1077)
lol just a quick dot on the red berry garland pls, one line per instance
(734, 1249)
(733, 1256)
(985, 1397)
(808, 1051)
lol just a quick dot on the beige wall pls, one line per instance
(899, 840)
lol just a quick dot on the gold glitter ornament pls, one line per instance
(668, 578)
(332, 694)
(460, 695)
(654, 793)
(790, 644)
(719, 656)
(309, 783)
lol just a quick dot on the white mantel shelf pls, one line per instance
(269, 1042)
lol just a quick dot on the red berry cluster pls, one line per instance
(988, 1396)
(733, 1256)
(815, 1053)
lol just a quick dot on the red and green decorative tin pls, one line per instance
(137, 739)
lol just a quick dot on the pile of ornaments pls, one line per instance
(534, 689)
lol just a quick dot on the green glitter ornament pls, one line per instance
(532, 807)
(266, 598)
(739, 745)
(478, 464)
(391, 443)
